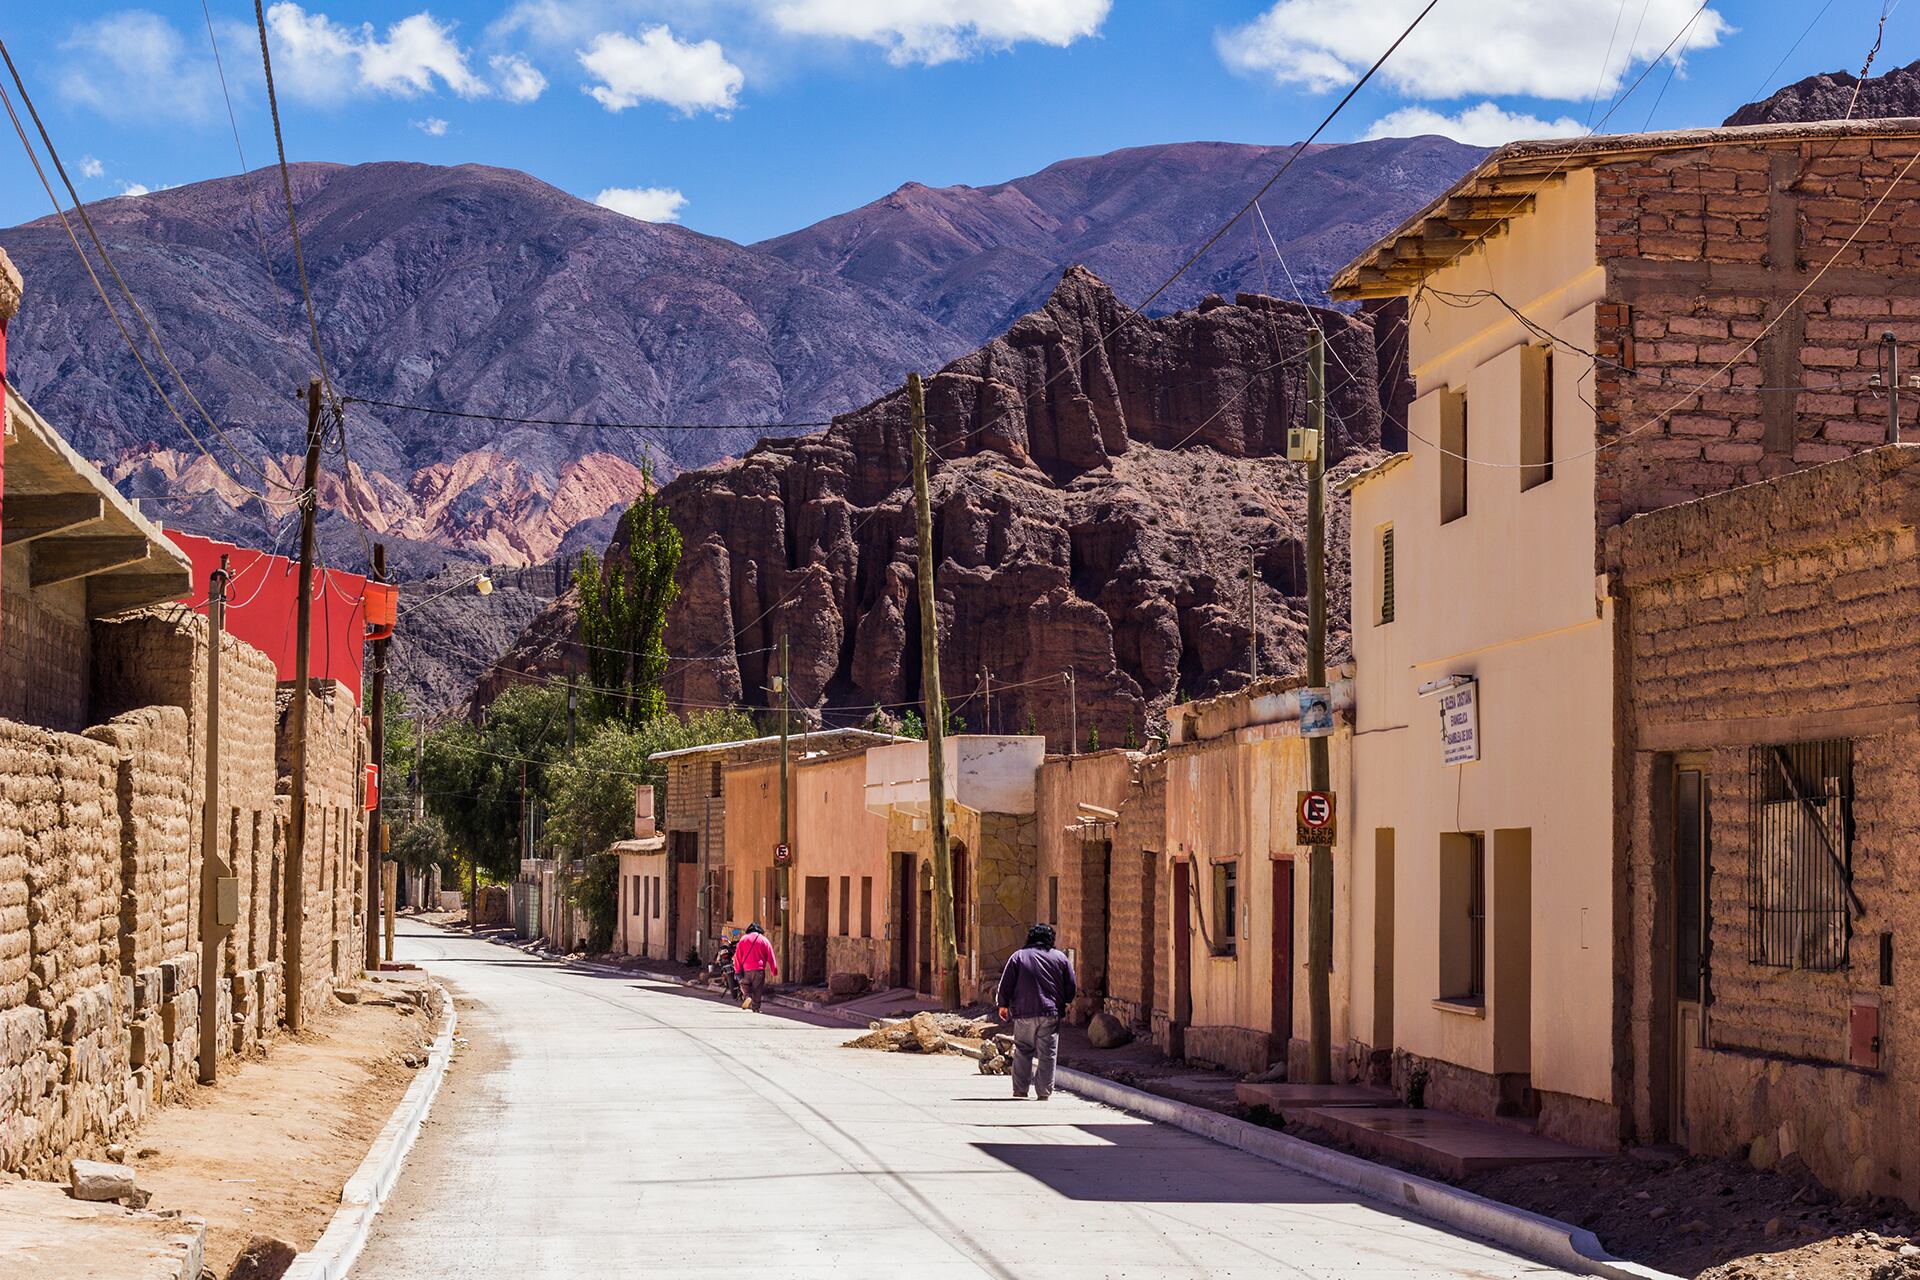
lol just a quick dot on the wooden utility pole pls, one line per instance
(946, 955)
(1073, 713)
(213, 869)
(1253, 621)
(783, 867)
(296, 877)
(390, 886)
(377, 836)
(1320, 859)
(986, 718)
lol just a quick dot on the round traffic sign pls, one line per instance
(1316, 809)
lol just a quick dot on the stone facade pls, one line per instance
(1777, 614)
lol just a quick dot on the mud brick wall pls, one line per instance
(44, 644)
(333, 866)
(1137, 916)
(158, 657)
(1783, 612)
(1704, 251)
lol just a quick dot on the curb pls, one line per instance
(334, 1253)
(1544, 1239)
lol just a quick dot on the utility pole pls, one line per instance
(1892, 345)
(213, 869)
(986, 677)
(1253, 622)
(377, 837)
(1073, 713)
(1320, 858)
(296, 877)
(782, 867)
(946, 957)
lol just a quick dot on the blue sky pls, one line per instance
(748, 118)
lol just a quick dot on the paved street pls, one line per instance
(608, 1127)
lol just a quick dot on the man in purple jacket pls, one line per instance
(1035, 989)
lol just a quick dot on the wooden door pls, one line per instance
(1182, 958)
(904, 903)
(1281, 1032)
(1691, 932)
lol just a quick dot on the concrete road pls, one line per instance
(595, 1128)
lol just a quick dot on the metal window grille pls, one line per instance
(1800, 854)
(1386, 575)
(1477, 919)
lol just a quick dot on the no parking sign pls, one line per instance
(1316, 817)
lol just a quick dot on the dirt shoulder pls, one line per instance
(266, 1150)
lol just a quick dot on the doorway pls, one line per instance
(1280, 1033)
(1182, 959)
(1691, 931)
(905, 904)
(1096, 870)
(813, 931)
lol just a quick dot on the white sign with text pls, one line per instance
(1460, 724)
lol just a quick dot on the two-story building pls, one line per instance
(1596, 328)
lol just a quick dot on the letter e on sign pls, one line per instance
(1315, 813)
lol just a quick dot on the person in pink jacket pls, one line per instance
(753, 961)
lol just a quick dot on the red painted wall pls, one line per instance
(263, 601)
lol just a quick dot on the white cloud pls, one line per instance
(135, 189)
(432, 126)
(324, 61)
(91, 168)
(1515, 47)
(518, 79)
(134, 66)
(933, 31)
(648, 204)
(1482, 125)
(659, 68)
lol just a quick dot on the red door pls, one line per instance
(1182, 959)
(1283, 960)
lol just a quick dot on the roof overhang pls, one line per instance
(76, 527)
(1504, 185)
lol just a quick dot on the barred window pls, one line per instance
(1800, 854)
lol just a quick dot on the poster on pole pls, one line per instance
(1460, 724)
(1316, 713)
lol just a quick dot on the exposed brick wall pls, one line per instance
(1704, 250)
(44, 644)
(1137, 913)
(1778, 613)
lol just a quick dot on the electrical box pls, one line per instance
(226, 901)
(1303, 444)
(1864, 1037)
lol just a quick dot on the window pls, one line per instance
(1226, 906)
(713, 786)
(729, 893)
(759, 904)
(1385, 570)
(1463, 917)
(866, 906)
(657, 895)
(846, 905)
(1053, 900)
(1453, 455)
(962, 900)
(1800, 854)
(1536, 416)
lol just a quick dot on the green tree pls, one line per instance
(592, 791)
(421, 844)
(473, 777)
(623, 613)
(396, 759)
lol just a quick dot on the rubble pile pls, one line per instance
(922, 1033)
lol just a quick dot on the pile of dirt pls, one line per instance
(922, 1033)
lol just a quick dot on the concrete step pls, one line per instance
(1448, 1144)
(1284, 1095)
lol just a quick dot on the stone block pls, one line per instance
(97, 1180)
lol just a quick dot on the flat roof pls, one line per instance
(1364, 474)
(1503, 185)
(713, 748)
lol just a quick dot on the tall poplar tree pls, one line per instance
(623, 613)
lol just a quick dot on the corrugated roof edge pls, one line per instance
(709, 747)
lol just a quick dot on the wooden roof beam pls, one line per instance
(28, 516)
(110, 593)
(66, 557)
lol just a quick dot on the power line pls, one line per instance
(246, 173)
(132, 303)
(574, 422)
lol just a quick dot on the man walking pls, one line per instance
(1035, 989)
(752, 961)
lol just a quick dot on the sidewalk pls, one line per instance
(264, 1152)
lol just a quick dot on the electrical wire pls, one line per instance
(512, 420)
(246, 173)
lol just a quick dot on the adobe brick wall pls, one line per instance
(334, 866)
(1782, 612)
(44, 643)
(1703, 250)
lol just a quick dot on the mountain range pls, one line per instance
(486, 291)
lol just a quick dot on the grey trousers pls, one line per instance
(754, 983)
(1036, 1046)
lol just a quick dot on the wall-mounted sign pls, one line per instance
(1460, 723)
(1316, 818)
(1316, 713)
(782, 855)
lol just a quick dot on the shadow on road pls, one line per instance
(1140, 1163)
